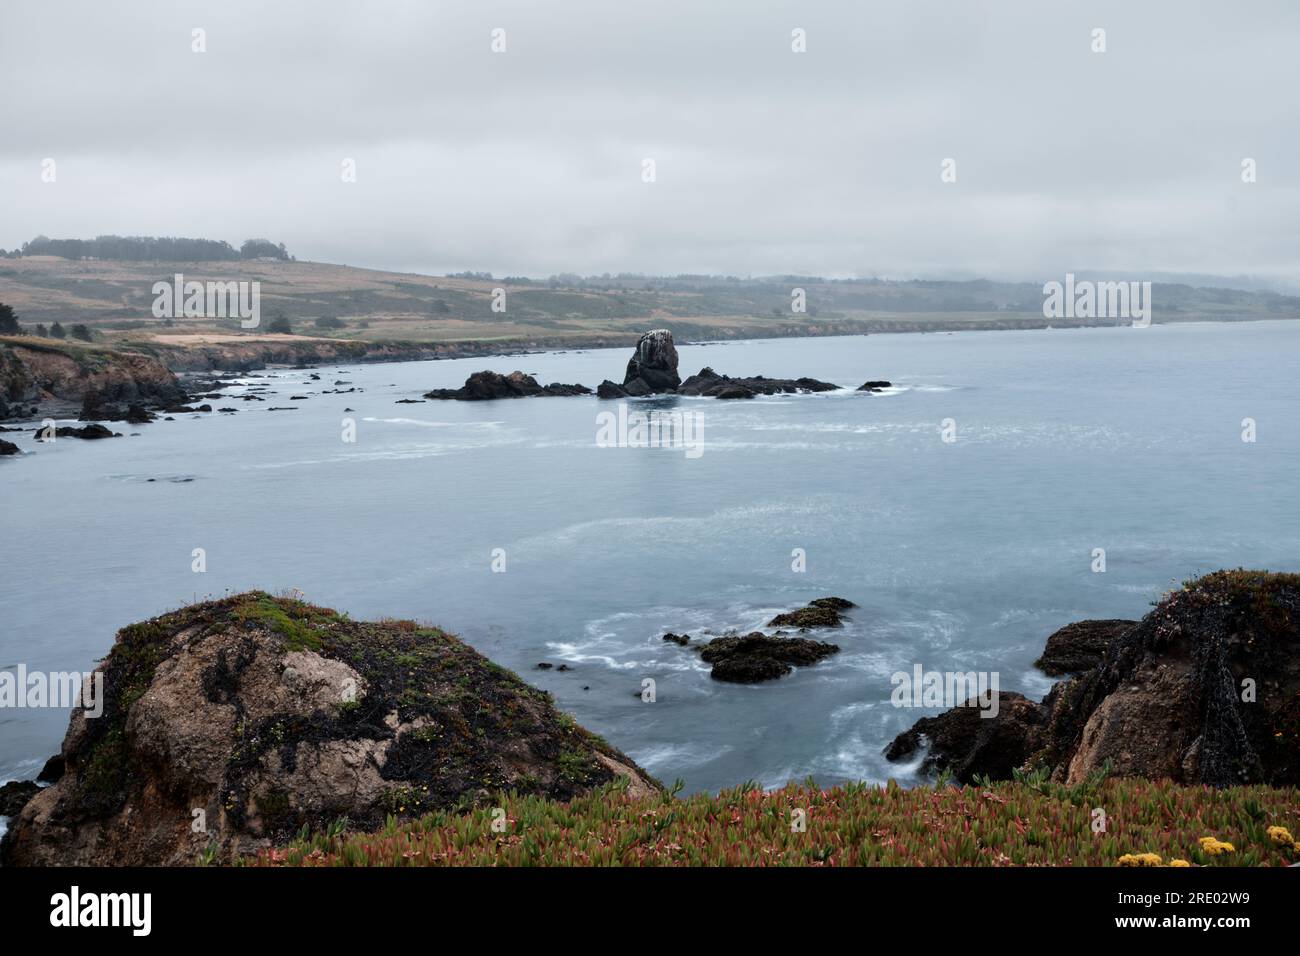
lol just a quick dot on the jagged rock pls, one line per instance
(1080, 646)
(1203, 690)
(608, 389)
(270, 714)
(52, 772)
(755, 657)
(15, 795)
(823, 612)
(654, 363)
(966, 743)
(486, 385)
(680, 639)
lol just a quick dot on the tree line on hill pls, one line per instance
(9, 326)
(151, 248)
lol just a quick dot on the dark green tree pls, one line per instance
(8, 320)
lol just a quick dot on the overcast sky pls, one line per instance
(529, 162)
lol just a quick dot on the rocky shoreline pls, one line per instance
(1203, 690)
(261, 715)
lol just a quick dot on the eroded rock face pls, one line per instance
(653, 364)
(1203, 690)
(257, 715)
(485, 386)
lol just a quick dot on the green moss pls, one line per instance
(293, 621)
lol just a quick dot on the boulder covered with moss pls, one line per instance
(232, 725)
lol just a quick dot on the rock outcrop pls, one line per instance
(823, 612)
(1080, 646)
(14, 795)
(709, 383)
(652, 370)
(653, 366)
(89, 432)
(1203, 690)
(485, 386)
(37, 373)
(230, 725)
(9, 448)
(966, 744)
(874, 386)
(754, 657)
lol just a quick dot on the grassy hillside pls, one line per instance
(115, 299)
(1022, 823)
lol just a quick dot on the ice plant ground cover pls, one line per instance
(1023, 823)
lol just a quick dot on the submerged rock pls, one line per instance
(1203, 690)
(485, 386)
(874, 386)
(9, 448)
(269, 714)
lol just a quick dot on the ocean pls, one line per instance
(962, 510)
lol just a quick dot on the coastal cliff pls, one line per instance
(35, 374)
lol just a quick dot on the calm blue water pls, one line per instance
(963, 556)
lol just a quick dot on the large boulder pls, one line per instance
(654, 363)
(1203, 690)
(230, 725)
